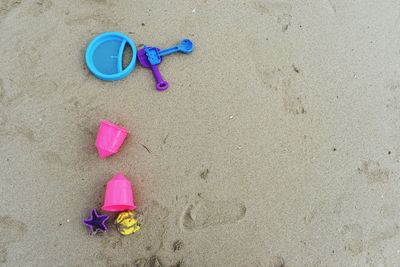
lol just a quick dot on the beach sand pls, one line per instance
(277, 143)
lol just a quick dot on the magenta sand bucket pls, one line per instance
(109, 138)
(119, 196)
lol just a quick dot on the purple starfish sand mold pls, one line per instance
(96, 222)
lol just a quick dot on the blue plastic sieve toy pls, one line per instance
(104, 56)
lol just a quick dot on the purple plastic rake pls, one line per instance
(161, 84)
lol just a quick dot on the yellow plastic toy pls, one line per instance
(126, 223)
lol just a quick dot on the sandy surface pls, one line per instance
(277, 143)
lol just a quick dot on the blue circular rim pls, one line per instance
(100, 39)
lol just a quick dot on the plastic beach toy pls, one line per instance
(104, 56)
(96, 222)
(109, 138)
(127, 223)
(154, 55)
(118, 194)
(161, 84)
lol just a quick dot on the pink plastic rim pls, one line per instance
(114, 126)
(113, 208)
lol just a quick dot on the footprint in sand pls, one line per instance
(7, 6)
(204, 214)
(374, 172)
(40, 6)
(11, 231)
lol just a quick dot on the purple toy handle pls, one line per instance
(161, 85)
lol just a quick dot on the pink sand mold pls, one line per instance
(109, 138)
(119, 195)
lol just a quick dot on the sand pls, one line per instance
(277, 143)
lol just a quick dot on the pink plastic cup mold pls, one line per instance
(119, 196)
(109, 138)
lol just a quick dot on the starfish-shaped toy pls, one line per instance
(96, 222)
